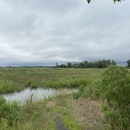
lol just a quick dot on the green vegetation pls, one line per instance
(9, 86)
(109, 86)
(128, 63)
(36, 115)
(113, 88)
(39, 115)
(87, 64)
(30, 116)
(63, 106)
(8, 112)
(16, 79)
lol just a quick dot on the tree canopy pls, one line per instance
(113, 0)
(128, 62)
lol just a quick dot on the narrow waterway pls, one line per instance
(36, 94)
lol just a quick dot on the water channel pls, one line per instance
(39, 93)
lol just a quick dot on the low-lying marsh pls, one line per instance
(16, 79)
(110, 88)
(41, 114)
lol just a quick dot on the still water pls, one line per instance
(39, 93)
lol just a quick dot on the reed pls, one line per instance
(16, 79)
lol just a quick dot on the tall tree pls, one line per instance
(69, 64)
(56, 64)
(113, 62)
(128, 62)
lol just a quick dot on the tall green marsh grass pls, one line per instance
(7, 86)
(71, 82)
(16, 79)
(28, 116)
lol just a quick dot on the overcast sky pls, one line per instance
(38, 32)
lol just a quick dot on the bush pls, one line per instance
(115, 90)
(115, 83)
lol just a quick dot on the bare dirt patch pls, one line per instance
(59, 125)
(89, 113)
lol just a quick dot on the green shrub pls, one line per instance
(114, 88)
(2, 100)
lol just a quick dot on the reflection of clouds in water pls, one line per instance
(39, 93)
(26, 94)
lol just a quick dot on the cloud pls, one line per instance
(63, 31)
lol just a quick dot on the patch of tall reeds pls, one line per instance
(16, 79)
(7, 86)
(31, 115)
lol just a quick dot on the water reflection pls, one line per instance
(39, 93)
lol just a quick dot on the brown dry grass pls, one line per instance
(89, 113)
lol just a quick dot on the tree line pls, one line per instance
(87, 64)
(113, 0)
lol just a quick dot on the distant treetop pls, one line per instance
(113, 0)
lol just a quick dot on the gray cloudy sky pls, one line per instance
(50, 31)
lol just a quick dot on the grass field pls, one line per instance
(16, 79)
